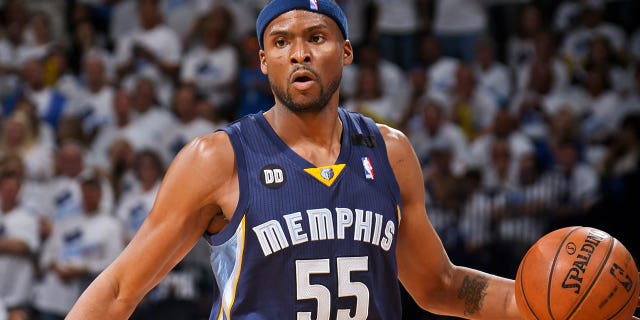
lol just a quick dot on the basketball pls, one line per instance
(577, 273)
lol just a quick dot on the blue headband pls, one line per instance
(278, 7)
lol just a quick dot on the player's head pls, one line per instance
(277, 7)
(303, 48)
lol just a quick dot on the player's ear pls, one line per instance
(263, 62)
(347, 55)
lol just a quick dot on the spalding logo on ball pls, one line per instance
(577, 273)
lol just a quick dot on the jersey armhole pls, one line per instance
(242, 206)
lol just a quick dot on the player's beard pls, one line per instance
(315, 105)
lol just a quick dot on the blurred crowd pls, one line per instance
(524, 114)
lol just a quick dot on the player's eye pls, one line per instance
(317, 38)
(280, 43)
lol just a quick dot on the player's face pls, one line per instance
(303, 56)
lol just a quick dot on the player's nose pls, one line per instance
(300, 53)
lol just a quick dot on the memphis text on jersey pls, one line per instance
(358, 224)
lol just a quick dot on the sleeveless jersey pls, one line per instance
(309, 242)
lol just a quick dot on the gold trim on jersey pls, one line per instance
(229, 294)
(327, 174)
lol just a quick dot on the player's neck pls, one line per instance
(314, 136)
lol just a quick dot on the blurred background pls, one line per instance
(525, 116)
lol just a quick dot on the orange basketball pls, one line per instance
(577, 273)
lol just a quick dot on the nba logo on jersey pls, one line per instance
(368, 168)
(313, 5)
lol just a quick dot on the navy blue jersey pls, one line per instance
(309, 242)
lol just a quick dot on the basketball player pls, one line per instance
(312, 212)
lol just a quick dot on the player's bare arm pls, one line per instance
(423, 265)
(199, 185)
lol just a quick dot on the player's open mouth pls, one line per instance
(302, 75)
(302, 79)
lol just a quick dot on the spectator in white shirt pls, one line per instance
(472, 108)
(394, 83)
(440, 69)
(545, 51)
(504, 127)
(600, 105)
(493, 76)
(32, 192)
(136, 204)
(189, 125)
(123, 115)
(63, 78)
(602, 56)
(152, 50)
(539, 99)
(23, 135)
(96, 96)
(77, 251)
(370, 100)
(520, 44)
(575, 45)
(51, 104)
(18, 242)
(64, 196)
(431, 126)
(88, 40)
(151, 119)
(499, 171)
(37, 37)
(212, 64)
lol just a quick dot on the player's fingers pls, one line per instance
(636, 318)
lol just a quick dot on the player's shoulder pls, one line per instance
(213, 150)
(215, 143)
(399, 149)
(393, 138)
